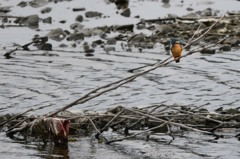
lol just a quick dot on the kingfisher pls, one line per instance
(176, 49)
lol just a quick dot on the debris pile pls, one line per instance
(125, 123)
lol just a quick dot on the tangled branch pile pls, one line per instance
(156, 119)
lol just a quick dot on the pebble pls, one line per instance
(46, 10)
(98, 42)
(78, 9)
(208, 51)
(75, 36)
(190, 9)
(63, 45)
(62, 21)
(57, 34)
(225, 48)
(22, 4)
(111, 41)
(89, 54)
(31, 21)
(89, 51)
(92, 14)
(207, 12)
(45, 46)
(109, 48)
(79, 18)
(126, 13)
(47, 20)
(124, 28)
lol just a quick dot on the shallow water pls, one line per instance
(51, 80)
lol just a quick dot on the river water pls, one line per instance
(53, 79)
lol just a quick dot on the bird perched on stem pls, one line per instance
(176, 49)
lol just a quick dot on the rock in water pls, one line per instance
(91, 14)
(57, 34)
(126, 13)
(208, 51)
(79, 18)
(31, 21)
(47, 20)
(46, 10)
(225, 48)
(46, 47)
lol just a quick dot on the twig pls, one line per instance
(199, 116)
(97, 129)
(117, 115)
(194, 34)
(172, 123)
(131, 136)
(39, 40)
(14, 117)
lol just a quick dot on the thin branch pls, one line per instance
(97, 129)
(131, 136)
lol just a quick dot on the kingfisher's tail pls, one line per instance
(177, 60)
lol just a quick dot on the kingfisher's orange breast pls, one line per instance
(176, 50)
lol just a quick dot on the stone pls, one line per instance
(47, 20)
(78, 9)
(207, 12)
(226, 48)
(62, 21)
(124, 28)
(137, 38)
(5, 9)
(79, 18)
(141, 26)
(46, 10)
(38, 3)
(22, 4)
(137, 16)
(233, 41)
(230, 111)
(31, 21)
(76, 26)
(98, 42)
(89, 51)
(126, 13)
(109, 48)
(75, 37)
(45, 46)
(191, 15)
(57, 34)
(92, 14)
(208, 51)
(63, 45)
(190, 9)
(111, 41)
(89, 54)
(122, 4)
(74, 45)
